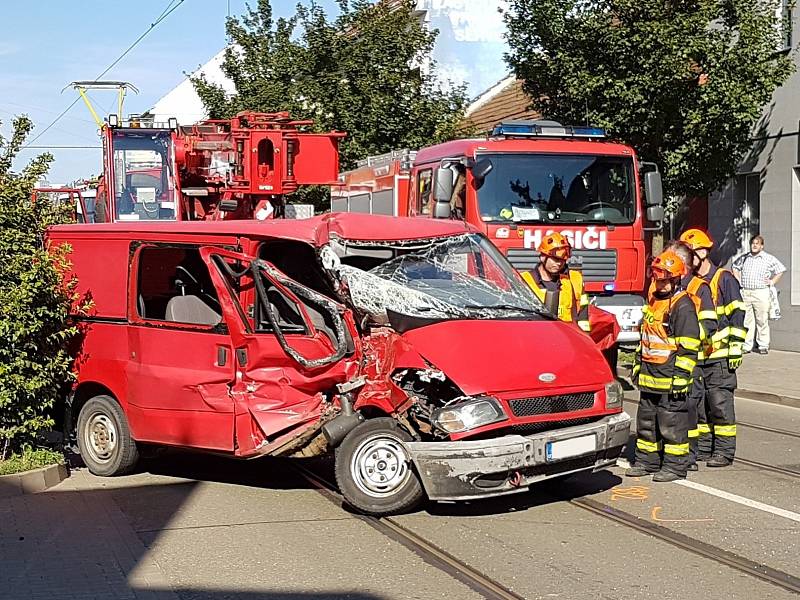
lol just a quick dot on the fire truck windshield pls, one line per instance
(568, 188)
(144, 186)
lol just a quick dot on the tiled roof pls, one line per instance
(504, 101)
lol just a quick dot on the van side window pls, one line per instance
(424, 189)
(174, 285)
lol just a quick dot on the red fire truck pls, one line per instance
(524, 180)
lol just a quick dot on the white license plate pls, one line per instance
(574, 447)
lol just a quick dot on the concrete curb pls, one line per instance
(791, 401)
(31, 482)
(768, 397)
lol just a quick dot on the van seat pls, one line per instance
(191, 309)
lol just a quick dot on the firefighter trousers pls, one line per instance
(716, 416)
(695, 400)
(662, 432)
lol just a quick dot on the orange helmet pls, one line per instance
(696, 239)
(668, 265)
(555, 245)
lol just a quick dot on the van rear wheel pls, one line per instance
(104, 438)
(374, 471)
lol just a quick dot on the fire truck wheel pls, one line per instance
(104, 438)
(373, 470)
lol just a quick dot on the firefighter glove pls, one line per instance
(734, 362)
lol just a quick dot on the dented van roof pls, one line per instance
(316, 230)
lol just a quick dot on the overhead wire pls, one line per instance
(62, 147)
(69, 133)
(165, 13)
(31, 107)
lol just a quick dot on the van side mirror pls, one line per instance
(653, 193)
(655, 213)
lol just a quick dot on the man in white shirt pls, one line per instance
(757, 271)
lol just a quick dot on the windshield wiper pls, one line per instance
(600, 222)
(532, 311)
(540, 221)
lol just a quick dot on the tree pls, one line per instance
(683, 81)
(34, 300)
(359, 73)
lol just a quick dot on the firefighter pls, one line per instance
(558, 287)
(666, 359)
(700, 293)
(720, 356)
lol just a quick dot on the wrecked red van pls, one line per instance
(410, 347)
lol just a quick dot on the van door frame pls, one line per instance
(207, 419)
(277, 398)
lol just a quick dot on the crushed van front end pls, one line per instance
(472, 469)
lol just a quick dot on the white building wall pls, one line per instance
(774, 163)
(183, 103)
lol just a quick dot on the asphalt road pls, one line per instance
(198, 527)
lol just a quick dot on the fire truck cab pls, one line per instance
(529, 178)
(346, 332)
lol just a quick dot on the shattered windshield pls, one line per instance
(462, 276)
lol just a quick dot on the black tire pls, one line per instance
(379, 438)
(104, 438)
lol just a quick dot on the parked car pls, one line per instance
(411, 348)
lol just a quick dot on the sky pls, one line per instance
(46, 44)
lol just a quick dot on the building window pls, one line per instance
(785, 20)
(747, 208)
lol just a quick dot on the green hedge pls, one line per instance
(35, 297)
(30, 459)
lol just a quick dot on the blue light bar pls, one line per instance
(513, 129)
(521, 128)
(588, 132)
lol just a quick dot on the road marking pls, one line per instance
(786, 514)
(657, 509)
(636, 492)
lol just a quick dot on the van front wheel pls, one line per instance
(104, 438)
(374, 471)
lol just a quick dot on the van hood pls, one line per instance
(498, 357)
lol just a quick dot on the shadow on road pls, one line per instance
(194, 594)
(541, 494)
(95, 540)
(282, 474)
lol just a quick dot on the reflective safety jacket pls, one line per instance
(670, 340)
(729, 338)
(573, 303)
(700, 294)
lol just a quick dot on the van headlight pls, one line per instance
(469, 415)
(614, 395)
